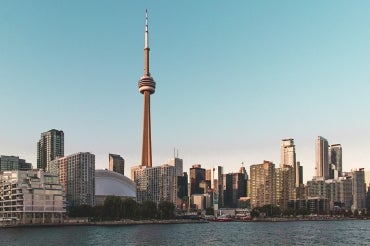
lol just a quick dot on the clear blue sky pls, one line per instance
(233, 79)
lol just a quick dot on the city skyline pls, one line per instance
(231, 87)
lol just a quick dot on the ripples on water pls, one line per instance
(222, 233)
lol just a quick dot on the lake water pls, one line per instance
(350, 232)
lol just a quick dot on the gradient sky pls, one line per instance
(233, 79)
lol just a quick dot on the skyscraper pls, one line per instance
(335, 159)
(322, 156)
(146, 87)
(197, 175)
(287, 153)
(116, 164)
(49, 147)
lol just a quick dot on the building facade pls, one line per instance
(32, 196)
(335, 160)
(49, 147)
(77, 175)
(156, 184)
(116, 164)
(262, 184)
(197, 175)
(10, 163)
(322, 158)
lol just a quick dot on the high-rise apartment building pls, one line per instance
(10, 163)
(322, 158)
(262, 184)
(156, 184)
(217, 184)
(197, 175)
(49, 147)
(288, 159)
(284, 185)
(77, 175)
(287, 153)
(116, 164)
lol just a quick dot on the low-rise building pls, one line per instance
(30, 197)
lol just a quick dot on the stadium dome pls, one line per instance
(109, 183)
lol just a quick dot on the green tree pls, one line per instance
(166, 210)
(113, 207)
(81, 211)
(130, 209)
(148, 210)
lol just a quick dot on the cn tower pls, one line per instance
(146, 87)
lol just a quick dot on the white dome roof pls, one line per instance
(108, 183)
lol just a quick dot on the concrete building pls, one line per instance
(345, 192)
(217, 186)
(49, 147)
(10, 163)
(287, 153)
(335, 161)
(33, 196)
(77, 175)
(156, 184)
(322, 158)
(197, 175)
(146, 87)
(262, 184)
(116, 164)
(109, 183)
(358, 190)
(284, 185)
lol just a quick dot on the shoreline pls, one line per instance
(174, 221)
(107, 223)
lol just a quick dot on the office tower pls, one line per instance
(262, 184)
(182, 191)
(209, 176)
(335, 160)
(287, 153)
(217, 187)
(322, 156)
(49, 147)
(9, 163)
(178, 164)
(116, 164)
(35, 197)
(146, 87)
(358, 189)
(156, 184)
(197, 175)
(234, 188)
(77, 175)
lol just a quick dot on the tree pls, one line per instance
(81, 211)
(148, 210)
(130, 209)
(113, 207)
(166, 210)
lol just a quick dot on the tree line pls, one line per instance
(115, 208)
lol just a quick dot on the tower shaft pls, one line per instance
(146, 87)
(146, 158)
